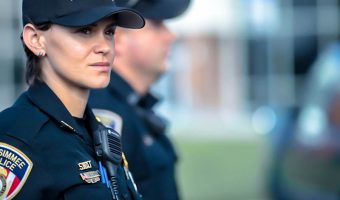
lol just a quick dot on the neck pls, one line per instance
(73, 98)
(139, 82)
(141, 86)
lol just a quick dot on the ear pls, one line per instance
(33, 39)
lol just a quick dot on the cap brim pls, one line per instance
(125, 17)
(162, 9)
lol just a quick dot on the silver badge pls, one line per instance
(91, 176)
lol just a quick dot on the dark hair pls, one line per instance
(33, 68)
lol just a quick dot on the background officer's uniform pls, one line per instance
(150, 154)
(45, 153)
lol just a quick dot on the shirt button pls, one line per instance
(126, 196)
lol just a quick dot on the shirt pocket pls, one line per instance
(88, 192)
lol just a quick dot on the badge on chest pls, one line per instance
(88, 176)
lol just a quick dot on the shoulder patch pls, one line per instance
(15, 167)
(109, 119)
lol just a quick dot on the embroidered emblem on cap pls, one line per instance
(91, 176)
(15, 167)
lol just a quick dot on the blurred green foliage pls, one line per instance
(223, 169)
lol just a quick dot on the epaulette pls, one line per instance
(22, 122)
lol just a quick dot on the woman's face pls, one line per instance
(80, 57)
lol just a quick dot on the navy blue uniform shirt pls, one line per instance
(46, 154)
(149, 152)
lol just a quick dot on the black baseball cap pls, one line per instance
(157, 9)
(76, 13)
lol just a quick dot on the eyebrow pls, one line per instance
(112, 24)
(96, 24)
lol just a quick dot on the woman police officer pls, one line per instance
(46, 143)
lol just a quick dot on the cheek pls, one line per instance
(68, 50)
(137, 53)
(143, 47)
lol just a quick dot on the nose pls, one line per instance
(169, 35)
(104, 45)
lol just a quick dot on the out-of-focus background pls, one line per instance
(252, 91)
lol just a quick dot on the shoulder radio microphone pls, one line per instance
(108, 148)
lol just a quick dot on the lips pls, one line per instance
(100, 64)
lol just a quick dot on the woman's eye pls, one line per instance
(85, 31)
(110, 32)
(157, 23)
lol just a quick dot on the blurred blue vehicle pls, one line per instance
(305, 164)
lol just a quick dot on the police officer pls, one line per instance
(127, 104)
(47, 148)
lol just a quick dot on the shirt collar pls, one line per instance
(148, 101)
(45, 99)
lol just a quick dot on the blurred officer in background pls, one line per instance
(127, 104)
(47, 138)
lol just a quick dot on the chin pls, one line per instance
(100, 81)
(98, 84)
(162, 71)
(101, 85)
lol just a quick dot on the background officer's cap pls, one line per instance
(157, 9)
(77, 13)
